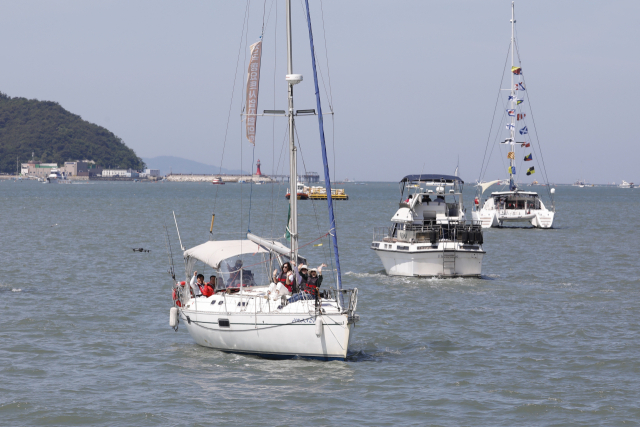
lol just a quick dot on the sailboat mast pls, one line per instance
(513, 99)
(293, 171)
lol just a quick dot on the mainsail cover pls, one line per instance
(253, 84)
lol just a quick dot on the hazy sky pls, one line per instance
(413, 83)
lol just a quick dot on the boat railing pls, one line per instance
(348, 299)
(429, 231)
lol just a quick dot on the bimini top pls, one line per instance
(432, 178)
(213, 252)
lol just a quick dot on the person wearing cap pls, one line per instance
(309, 288)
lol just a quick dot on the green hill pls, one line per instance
(56, 135)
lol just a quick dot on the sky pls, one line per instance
(412, 84)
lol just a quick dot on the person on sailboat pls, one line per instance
(209, 288)
(282, 282)
(309, 288)
(197, 282)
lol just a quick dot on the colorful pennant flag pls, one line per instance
(521, 116)
(520, 86)
(511, 155)
(528, 157)
(525, 144)
(516, 70)
(512, 170)
(511, 113)
(519, 101)
(510, 126)
(524, 131)
(531, 170)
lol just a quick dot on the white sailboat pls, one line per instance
(514, 206)
(429, 236)
(245, 315)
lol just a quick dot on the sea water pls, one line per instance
(548, 335)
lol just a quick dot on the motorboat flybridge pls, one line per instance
(626, 184)
(429, 235)
(514, 206)
(246, 314)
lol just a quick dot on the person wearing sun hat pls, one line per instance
(308, 287)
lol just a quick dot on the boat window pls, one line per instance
(520, 204)
(244, 271)
(223, 323)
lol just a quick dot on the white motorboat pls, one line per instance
(55, 177)
(429, 235)
(625, 184)
(514, 206)
(217, 181)
(245, 315)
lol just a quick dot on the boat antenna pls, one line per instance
(169, 253)
(178, 230)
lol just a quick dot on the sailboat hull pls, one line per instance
(272, 335)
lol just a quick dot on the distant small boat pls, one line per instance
(625, 184)
(217, 181)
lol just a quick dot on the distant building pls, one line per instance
(122, 173)
(81, 168)
(77, 168)
(152, 172)
(37, 169)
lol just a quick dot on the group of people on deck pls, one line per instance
(301, 280)
(301, 283)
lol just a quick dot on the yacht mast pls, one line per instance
(292, 79)
(514, 104)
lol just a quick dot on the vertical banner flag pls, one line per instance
(520, 86)
(253, 83)
(511, 155)
(521, 116)
(512, 170)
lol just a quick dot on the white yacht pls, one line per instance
(245, 314)
(429, 236)
(514, 206)
(626, 184)
(55, 177)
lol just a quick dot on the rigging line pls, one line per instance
(315, 212)
(242, 108)
(253, 157)
(326, 54)
(533, 120)
(480, 177)
(273, 119)
(264, 11)
(233, 89)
